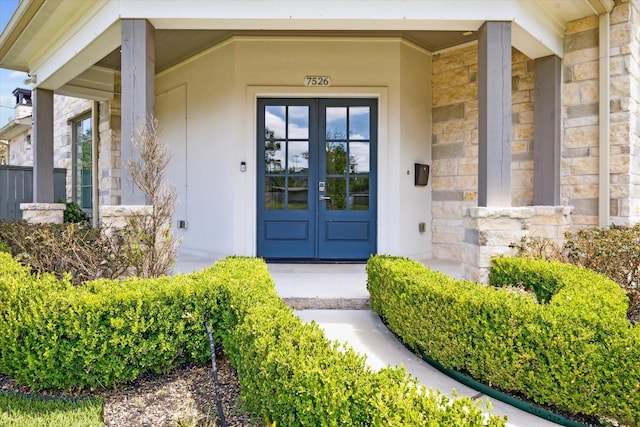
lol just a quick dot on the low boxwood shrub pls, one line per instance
(291, 374)
(106, 333)
(565, 343)
(613, 251)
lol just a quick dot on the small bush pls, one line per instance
(74, 213)
(612, 251)
(4, 247)
(570, 347)
(77, 249)
(105, 333)
(291, 374)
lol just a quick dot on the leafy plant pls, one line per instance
(74, 213)
(107, 333)
(613, 251)
(4, 247)
(572, 348)
(152, 249)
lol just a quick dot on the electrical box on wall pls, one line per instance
(421, 174)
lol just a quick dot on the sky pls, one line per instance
(9, 80)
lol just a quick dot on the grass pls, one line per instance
(23, 411)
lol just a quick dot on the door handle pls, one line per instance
(325, 198)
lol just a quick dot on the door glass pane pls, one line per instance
(298, 156)
(336, 123)
(298, 194)
(359, 123)
(359, 193)
(298, 122)
(336, 158)
(274, 121)
(274, 156)
(359, 157)
(274, 192)
(337, 193)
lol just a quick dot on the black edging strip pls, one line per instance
(496, 394)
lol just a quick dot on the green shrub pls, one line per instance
(73, 213)
(78, 249)
(106, 333)
(613, 251)
(291, 374)
(574, 349)
(4, 247)
(55, 335)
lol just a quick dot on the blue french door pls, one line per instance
(317, 178)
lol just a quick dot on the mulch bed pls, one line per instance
(184, 397)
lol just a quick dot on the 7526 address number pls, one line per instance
(317, 81)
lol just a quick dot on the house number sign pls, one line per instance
(317, 81)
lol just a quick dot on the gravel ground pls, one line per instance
(185, 397)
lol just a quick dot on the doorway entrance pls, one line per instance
(317, 178)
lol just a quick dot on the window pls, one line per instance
(82, 180)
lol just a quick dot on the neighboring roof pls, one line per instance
(15, 127)
(58, 41)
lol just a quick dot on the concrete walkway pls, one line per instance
(336, 298)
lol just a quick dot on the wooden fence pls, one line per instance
(16, 186)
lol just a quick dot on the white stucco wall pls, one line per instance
(217, 91)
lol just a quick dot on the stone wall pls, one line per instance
(455, 141)
(109, 166)
(21, 150)
(580, 153)
(632, 63)
(66, 109)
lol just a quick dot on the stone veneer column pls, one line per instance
(43, 213)
(109, 161)
(488, 232)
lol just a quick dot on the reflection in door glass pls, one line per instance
(359, 157)
(298, 156)
(298, 192)
(274, 156)
(337, 192)
(336, 123)
(336, 158)
(359, 122)
(359, 193)
(274, 192)
(274, 121)
(298, 120)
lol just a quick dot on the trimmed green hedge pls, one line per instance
(107, 333)
(566, 343)
(290, 373)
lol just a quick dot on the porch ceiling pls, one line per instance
(59, 40)
(174, 46)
